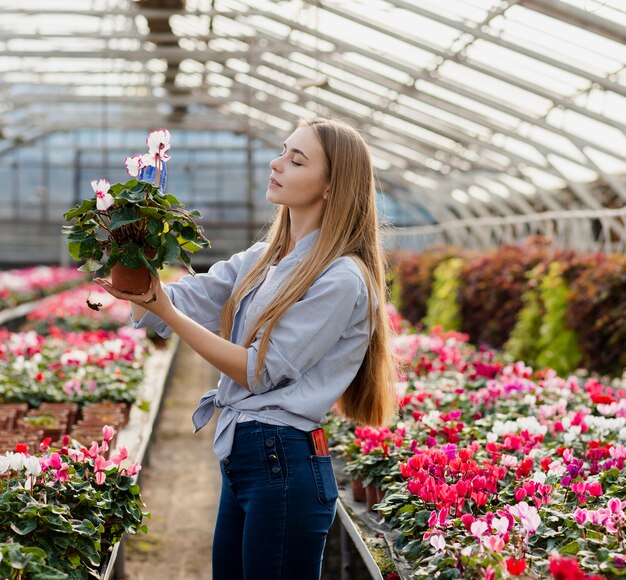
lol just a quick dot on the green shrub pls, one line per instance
(442, 308)
(558, 344)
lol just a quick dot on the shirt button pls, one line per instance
(270, 443)
(276, 469)
(273, 457)
(226, 461)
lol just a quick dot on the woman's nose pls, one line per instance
(275, 164)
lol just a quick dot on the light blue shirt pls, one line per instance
(315, 350)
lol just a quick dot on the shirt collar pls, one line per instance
(303, 245)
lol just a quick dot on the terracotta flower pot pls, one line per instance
(130, 280)
(371, 497)
(358, 491)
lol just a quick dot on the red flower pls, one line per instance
(515, 567)
(21, 448)
(566, 569)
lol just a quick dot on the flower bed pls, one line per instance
(495, 470)
(27, 284)
(62, 510)
(80, 367)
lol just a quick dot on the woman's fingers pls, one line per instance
(146, 298)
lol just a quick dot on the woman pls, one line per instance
(303, 326)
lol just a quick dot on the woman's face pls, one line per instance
(298, 179)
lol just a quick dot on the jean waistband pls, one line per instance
(285, 431)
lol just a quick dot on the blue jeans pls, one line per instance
(277, 505)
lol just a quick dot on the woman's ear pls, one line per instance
(326, 193)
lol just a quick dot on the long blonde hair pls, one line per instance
(349, 227)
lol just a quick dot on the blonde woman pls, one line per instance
(302, 326)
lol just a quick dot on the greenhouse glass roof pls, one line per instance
(484, 108)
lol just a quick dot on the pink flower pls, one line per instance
(594, 489)
(121, 455)
(134, 469)
(494, 543)
(580, 515)
(100, 464)
(107, 433)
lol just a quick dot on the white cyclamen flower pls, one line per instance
(5, 463)
(32, 466)
(159, 144)
(104, 200)
(133, 165)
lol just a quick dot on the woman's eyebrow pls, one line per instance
(294, 150)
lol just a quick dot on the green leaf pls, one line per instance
(25, 526)
(124, 216)
(81, 209)
(90, 266)
(74, 250)
(144, 405)
(572, 548)
(172, 249)
(131, 256)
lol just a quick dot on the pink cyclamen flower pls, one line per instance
(580, 515)
(494, 543)
(107, 433)
(100, 464)
(159, 144)
(104, 200)
(120, 456)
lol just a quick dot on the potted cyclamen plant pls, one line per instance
(133, 229)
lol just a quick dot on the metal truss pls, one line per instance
(455, 134)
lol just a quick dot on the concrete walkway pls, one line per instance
(180, 485)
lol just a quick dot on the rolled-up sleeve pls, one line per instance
(201, 297)
(337, 301)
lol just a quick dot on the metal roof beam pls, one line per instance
(584, 19)
(539, 56)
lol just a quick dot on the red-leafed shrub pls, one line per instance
(492, 288)
(598, 313)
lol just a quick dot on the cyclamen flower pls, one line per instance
(133, 165)
(104, 200)
(515, 567)
(159, 144)
(527, 515)
(438, 542)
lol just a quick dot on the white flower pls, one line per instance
(159, 144)
(531, 425)
(438, 542)
(5, 463)
(104, 200)
(622, 434)
(478, 528)
(32, 466)
(16, 461)
(147, 160)
(78, 357)
(133, 165)
(539, 477)
(556, 468)
(572, 434)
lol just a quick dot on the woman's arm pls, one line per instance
(229, 358)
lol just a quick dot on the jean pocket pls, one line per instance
(325, 482)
